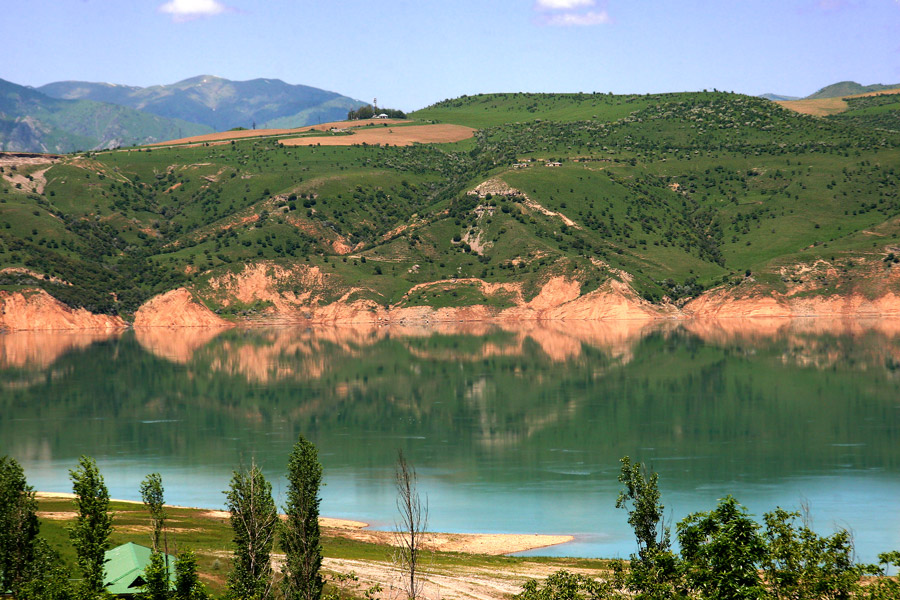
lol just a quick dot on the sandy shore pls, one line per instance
(471, 543)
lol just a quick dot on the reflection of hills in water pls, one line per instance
(301, 354)
(778, 397)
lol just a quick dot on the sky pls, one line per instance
(409, 54)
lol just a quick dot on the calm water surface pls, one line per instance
(511, 429)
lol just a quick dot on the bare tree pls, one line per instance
(409, 531)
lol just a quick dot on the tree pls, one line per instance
(300, 533)
(653, 570)
(156, 577)
(253, 522)
(802, 565)
(49, 578)
(152, 495)
(640, 499)
(19, 526)
(90, 533)
(721, 552)
(410, 530)
(187, 583)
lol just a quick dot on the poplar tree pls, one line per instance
(152, 495)
(19, 526)
(90, 534)
(300, 533)
(253, 522)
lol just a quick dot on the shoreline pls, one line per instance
(494, 544)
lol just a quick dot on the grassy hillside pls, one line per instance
(680, 191)
(849, 88)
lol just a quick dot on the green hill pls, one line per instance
(849, 88)
(673, 193)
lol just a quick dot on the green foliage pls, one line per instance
(18, 526)
(300, 532)
(90, 533)
(653, 571)
(563, 585)
(156, 577)
(49, 579)
(253, 522)
(882, 587)
(368, 112)
(801, 565)
(187, 583)
(152, 495)
(640, 499)
(721, 552)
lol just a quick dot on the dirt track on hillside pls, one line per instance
(252, 133)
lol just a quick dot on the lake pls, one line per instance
(513, 428)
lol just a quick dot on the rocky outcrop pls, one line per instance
(176, 308)
(36, 310)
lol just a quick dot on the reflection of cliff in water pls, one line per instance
(796, 398)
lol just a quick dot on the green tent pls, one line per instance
(123, 572)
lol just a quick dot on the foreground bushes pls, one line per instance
(725, 555)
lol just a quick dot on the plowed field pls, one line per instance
(394, 136)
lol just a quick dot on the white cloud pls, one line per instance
(566, 4)
(579, 19)
(185, 10)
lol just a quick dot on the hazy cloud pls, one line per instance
(579, 19)
(185, 10)
(565, 4)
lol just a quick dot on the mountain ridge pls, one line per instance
(217, 102)
(31, 121)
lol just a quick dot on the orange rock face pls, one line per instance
(36, 310)
(176, 308)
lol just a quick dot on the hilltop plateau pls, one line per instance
(540, 206)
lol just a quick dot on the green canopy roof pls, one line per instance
(123, 572)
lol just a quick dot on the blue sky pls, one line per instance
(409, 53)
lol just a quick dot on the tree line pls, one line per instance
(369, 112)
(31, 570)
(724, 554)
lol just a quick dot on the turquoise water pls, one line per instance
(511, 430)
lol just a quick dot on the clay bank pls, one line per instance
(303, 295)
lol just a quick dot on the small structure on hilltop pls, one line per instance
(123, 571)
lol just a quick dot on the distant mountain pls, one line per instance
(778, 97)
(849, 88)
(218, 103)
(31, 121)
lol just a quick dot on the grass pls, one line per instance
(210, 538)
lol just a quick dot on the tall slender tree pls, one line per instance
(253, 522)
(152, 495)
(19, 526)
(300, 533)
(90, 533)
